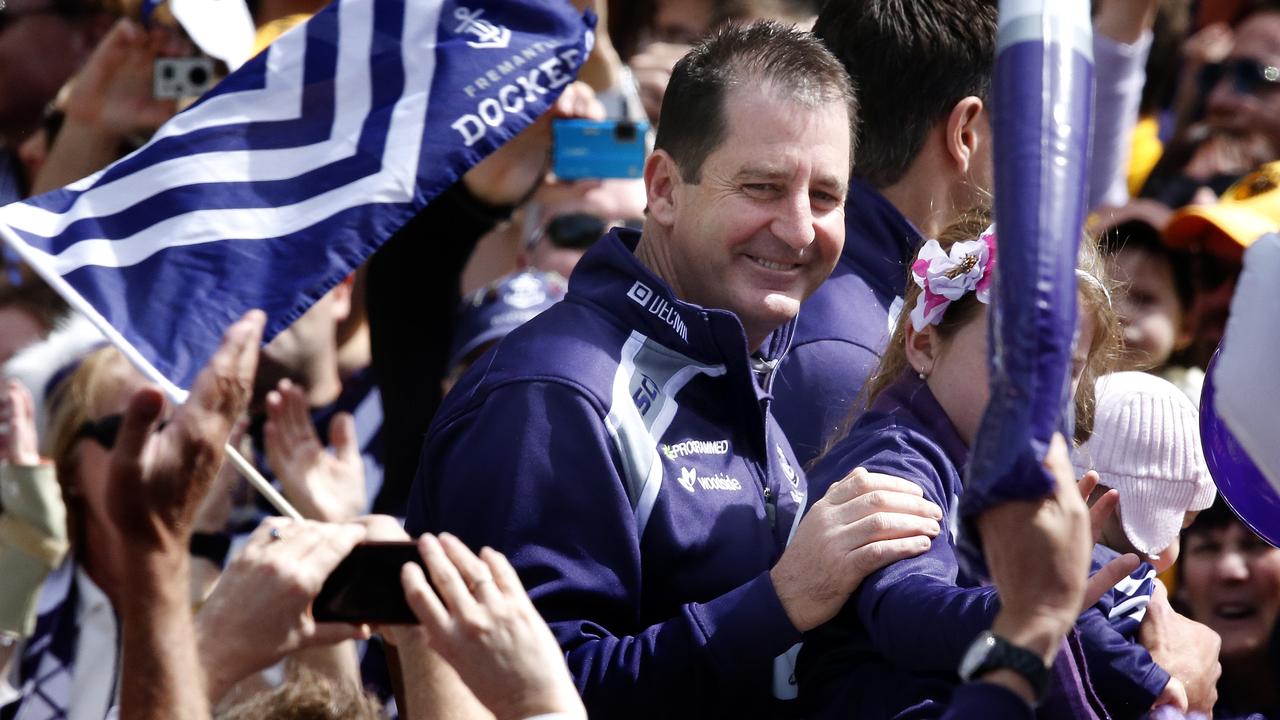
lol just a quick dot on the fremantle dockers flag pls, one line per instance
(294, 169)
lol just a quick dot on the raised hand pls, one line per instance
(480, 620)
(18, 444)
(324, 486)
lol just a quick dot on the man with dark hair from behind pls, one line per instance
(922, 70)
(619, 448)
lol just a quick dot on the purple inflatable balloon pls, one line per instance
(1243, 486)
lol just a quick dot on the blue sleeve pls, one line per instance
(1122, 671)
(816, 388)
(533, 473)
(914, 613)
(974, 701)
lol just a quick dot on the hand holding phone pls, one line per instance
(365, 587)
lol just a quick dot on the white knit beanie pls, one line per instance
(1146, 444)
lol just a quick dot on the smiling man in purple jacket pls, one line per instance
(923, 71)
(620, 448)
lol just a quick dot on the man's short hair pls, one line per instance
(912, 61)
(793, 63)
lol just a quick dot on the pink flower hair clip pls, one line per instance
(945, 277)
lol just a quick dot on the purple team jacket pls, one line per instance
(894, 650)
(843, 327)
(620, 449)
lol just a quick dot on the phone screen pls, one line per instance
(365, 586)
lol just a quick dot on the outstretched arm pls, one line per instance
(156, 480)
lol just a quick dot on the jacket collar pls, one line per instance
(611, 276)
(909, 398)
(879, 241)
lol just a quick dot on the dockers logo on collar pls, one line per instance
(685, 448)
(690, 481)
(657, 305)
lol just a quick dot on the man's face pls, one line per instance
(39, 51)
(762, 228)
(1250, 107)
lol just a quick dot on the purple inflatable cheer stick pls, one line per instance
(1042, 111)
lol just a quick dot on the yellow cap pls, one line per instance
(274, 29)
(1248, 210)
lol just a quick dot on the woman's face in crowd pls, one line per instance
(1147, 303)
(1231, 582)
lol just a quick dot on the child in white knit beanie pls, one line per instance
(1146, 444)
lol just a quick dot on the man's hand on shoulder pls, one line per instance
(864, 522)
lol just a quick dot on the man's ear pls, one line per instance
(661, 179)
(966, 131)
(922, 348)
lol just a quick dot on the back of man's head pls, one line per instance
(790, 62)
(911, 61)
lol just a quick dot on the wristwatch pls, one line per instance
(991, 652)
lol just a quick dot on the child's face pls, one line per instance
(958, 378)
(1147, 303)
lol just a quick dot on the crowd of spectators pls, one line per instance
(685, 445)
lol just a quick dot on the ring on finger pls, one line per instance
(276, 534)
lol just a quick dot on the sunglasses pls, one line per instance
(576, 231)
(1248, 77)
(106, 429)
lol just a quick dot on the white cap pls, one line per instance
(1146, 444)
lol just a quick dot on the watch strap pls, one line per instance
(1004, 655)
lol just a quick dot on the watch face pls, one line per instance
(976, 654)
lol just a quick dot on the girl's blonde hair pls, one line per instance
(1095, 300)
(69, 406)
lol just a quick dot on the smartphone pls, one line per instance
(365, 586)
(598, 148)
(181, 77)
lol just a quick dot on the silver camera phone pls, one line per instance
(182, 77)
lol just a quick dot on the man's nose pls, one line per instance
(794, 222)
(1232, 566)
(1223, 100)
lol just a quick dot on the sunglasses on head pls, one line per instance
(106, 429)
(1248, 77)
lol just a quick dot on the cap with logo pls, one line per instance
(1248, 210)
(488, 314)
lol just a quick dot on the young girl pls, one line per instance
(899, 642)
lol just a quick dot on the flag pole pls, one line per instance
(31, 256)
